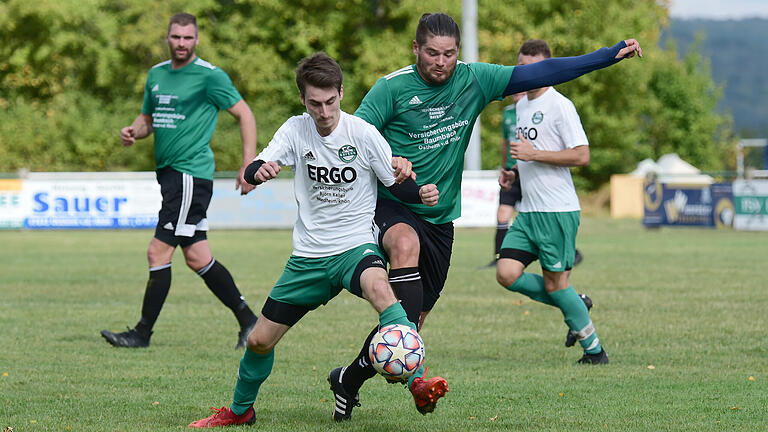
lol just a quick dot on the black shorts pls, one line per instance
(513, 195)
(435, 245)
(182, 217)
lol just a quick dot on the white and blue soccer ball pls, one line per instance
(396, 351)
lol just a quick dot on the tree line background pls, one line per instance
(72, 74)
(736, 52)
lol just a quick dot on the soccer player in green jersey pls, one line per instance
(337, 159)
(182, 100)
(426, 111)
(551, 140)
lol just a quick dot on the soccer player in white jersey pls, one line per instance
(551, 139)
(338, 159)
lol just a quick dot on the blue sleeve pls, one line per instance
(558, 70)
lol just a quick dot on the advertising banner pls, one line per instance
(750, 199)
(75, 203)
(688, 205)
(479, 199)
(271, 205)
(132, 200)
(11, 211)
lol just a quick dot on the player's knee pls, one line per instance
(260, 344)
(405, 249)
(194, 263)
(506, 275)
(156, 256)
(380, 292)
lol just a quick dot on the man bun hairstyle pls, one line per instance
(437, 24)
(182, 19)
(534, 47)
(319, 71)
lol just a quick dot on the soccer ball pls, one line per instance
(396, 351)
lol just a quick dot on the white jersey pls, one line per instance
(335, 181)
(550, 123)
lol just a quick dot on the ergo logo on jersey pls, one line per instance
(528, 133)
(331, 175)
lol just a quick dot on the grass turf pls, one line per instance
(681, 313)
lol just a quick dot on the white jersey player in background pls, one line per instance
(337, 159)
(551, 140)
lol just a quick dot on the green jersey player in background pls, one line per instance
(182, 100)
(337, 159)
(426, 111)
(551, 140)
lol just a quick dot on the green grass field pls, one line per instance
(681, 312)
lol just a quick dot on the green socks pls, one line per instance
(532, 285)
(395, 314)
(568, 301)
(577, 318)
(254, 370)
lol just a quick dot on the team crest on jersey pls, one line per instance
(538, 117)
(347, 153)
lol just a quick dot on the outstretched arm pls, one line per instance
(558, 70)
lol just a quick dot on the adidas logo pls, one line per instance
(558, 265)
(156, 87)
(309, 156)
(414, 101)
(367, 251)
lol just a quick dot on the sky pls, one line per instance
(719, 9)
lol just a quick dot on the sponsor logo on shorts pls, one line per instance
(367, 251)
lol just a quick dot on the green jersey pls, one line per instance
(430, 125)
(184, 105)
(509, 131)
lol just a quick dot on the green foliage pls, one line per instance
(731, 47)
(72, 73)
(621, 111)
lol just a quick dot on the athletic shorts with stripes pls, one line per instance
(182, 217)
(435, 245)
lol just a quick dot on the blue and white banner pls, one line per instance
(688, 205)
(132, 200)
(102, 201)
